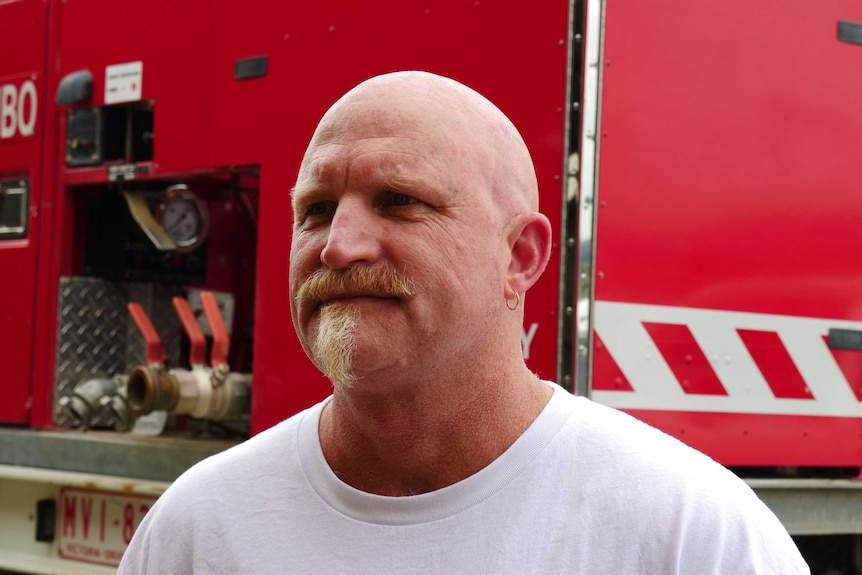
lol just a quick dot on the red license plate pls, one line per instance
(96, 526)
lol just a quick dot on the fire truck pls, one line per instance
(695, 159)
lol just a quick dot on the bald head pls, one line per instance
(480, 143)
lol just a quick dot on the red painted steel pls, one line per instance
(775, 364)
(685, 358)
(729, 146)
(607, 375)
(738, 438)
(49, 252)
(728, 180)
(23, 29)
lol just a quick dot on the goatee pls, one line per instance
(335, 345)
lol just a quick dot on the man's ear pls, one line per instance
(530, 243)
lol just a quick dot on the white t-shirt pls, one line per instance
(586, 489)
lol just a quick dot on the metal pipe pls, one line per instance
(151, 388)
(201, 392)
(84, 405)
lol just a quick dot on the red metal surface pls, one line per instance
(49, 254)
(23, 28)
(738, 438)
(685, 358)
(728, 174)
(607, 374)
(775, 363)
(729, 180)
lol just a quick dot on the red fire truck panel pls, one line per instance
(23, 31)
(727, 241)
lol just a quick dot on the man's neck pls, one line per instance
(420, 442)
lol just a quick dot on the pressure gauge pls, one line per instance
(184, 217)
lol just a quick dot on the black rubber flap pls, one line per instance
(75, 87)
(845, 339)
(850, 32)
(250, 68)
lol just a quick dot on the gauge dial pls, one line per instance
(184, 217)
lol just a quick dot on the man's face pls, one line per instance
(394, 195)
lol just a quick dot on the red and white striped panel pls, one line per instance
(665, 358)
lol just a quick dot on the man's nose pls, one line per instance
(353, 237)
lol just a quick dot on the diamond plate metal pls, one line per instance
(96, 336)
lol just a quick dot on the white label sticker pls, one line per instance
(123, 82)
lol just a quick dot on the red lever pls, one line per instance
(221, 341)
(155, 351)
(198, 351)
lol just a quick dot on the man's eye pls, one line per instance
(317, 209)
(401, 200)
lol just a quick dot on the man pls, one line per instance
(416, 236)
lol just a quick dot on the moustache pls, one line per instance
(324, 285)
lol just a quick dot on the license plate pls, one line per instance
(96, 526)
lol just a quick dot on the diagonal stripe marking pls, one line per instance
(775, 364)
(850, 364)
(607, 375)
(685, 358)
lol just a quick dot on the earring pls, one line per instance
(517, 302)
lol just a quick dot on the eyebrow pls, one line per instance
(303, 189)
(407, 181)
